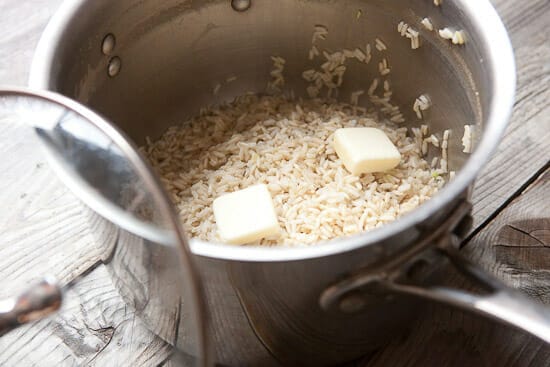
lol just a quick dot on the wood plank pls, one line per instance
(45, 230)
(95, 322)
(524, 149)
(22, 24)
(93, 328)
(515, 247)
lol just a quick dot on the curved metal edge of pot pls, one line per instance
(501, 61)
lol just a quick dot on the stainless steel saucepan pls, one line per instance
(146, 65)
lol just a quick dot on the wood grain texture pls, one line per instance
(22, 23)
(515, 247)
(45, 231)
(524, 149)
(94, 326)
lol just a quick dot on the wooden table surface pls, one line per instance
(43, 230)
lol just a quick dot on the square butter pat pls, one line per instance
(246, 215)
(365, 150)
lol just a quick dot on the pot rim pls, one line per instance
(501, 61)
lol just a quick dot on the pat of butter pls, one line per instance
(365, 150)
(246, 215)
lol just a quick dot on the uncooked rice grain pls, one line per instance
(402, 28)
(383, 67)
(354, 99)
(434, 140)
(421, 104)
(320, 33)
(444, 165)
(445, 144)
(456, 37)
(424, 129)
(467, 138)
(380, 45)
(313, 52)
(216, 89)
(446, 33)
(427, 23)
(287, 145)
(459, 38)
(407, 31)
(277, 78)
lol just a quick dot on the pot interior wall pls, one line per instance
(174, 53)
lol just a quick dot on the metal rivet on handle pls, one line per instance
(240, 5)
(108, 44)
(114, 66)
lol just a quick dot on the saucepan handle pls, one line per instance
(37, 302)
(405, 273)
(498, 301)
